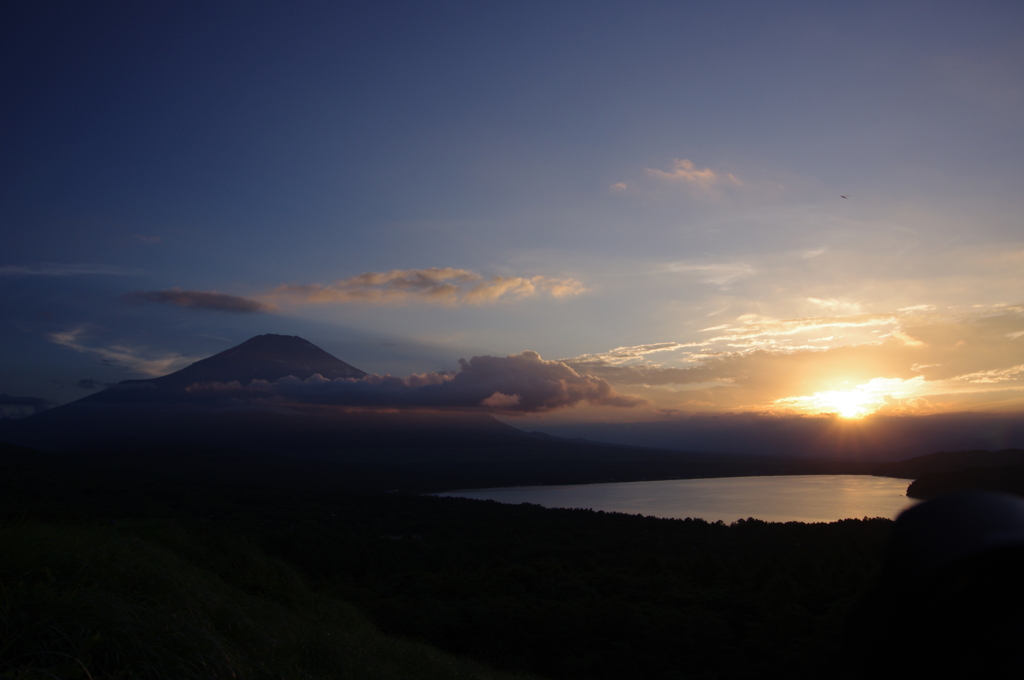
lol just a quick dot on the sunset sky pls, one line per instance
(715, 207)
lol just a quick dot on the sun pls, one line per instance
(848, 403)
(860, 401)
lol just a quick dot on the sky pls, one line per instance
(792, 208)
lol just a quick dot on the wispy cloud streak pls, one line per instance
(436, 285)
(719, 274)
(198, 299)
(123, 356)
(55, 269)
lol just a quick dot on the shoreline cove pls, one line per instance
(778, 498)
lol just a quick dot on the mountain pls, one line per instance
(169, 412)
(265, 357)
(165, 427)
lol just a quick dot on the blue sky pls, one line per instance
(651, 192)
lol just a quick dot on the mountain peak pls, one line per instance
(263, 357)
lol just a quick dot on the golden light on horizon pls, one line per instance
(848, 403)
(857, 402)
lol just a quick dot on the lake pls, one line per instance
(784, 498)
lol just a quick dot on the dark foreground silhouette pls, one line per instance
(950, 597)
(558, 593)
(1003, 478)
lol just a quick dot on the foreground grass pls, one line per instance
(150, 600)
(105, 573)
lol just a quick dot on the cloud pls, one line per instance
(906, 339)
(89, 384)
(20, 407)
(838, 306)
(519, 383)
(198, 299)
(436, 285)
(811, 253)
(624, 355)
(684, 171)
(754, 327)
(54, 269)
(718, 274)
(922, 362)
(997, 375)
(122, 356)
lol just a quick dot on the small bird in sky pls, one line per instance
(843, 196)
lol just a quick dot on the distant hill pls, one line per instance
(1005, 478)
(949, 461)
(879, 437)
(952, 471)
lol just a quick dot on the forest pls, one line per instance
(463, 588)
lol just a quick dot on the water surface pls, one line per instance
(784, 498)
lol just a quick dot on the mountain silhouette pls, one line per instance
(265, 357)
(166, 412)
(161, 426)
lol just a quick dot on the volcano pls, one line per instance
(165, 426)
(265, 357)
(169, 411)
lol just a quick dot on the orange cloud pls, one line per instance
(915, 363)
(684, 170)
(437, 285)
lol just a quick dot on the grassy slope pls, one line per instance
(568, 594)
(148, 600)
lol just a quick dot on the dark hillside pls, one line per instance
(154, 600)
(567, 594)
(409, 462)
(1007, 478)
(949, 461)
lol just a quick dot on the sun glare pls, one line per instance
(848, 403)
(858, 402)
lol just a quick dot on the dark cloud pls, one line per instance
(519, 383)
(19, 407)
(198, 299)
(10, 400)
(57, 269)
(89, 383)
